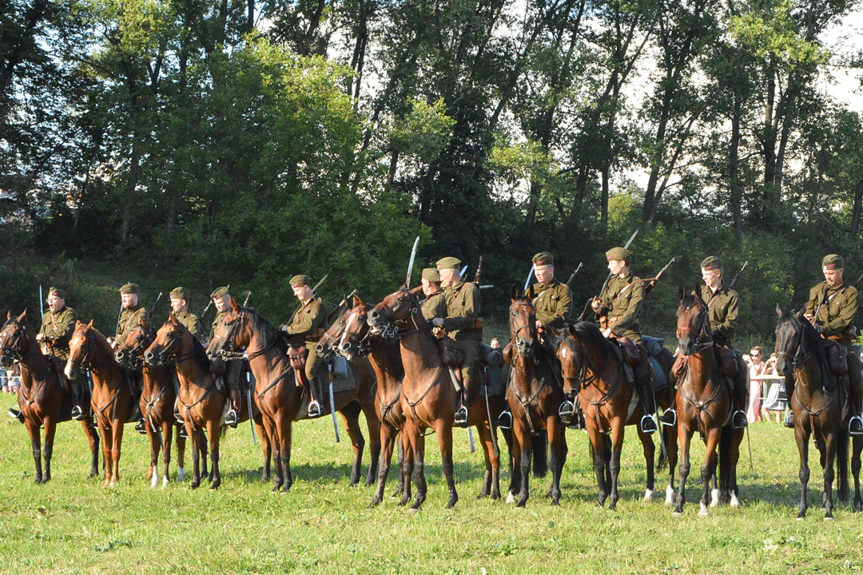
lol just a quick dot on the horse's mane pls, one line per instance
(269, 334)
(588, 333)
(813, 341)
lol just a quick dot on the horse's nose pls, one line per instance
(373, 317)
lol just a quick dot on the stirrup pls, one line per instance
(77, 413)
(565, 411)
(182, 432)
(739, 421)
(668, 417)
(504, 420)
(231, 418)
(855, 425)
(461, 416)
(15, 414)
(647, 424)
(314, 408)
(789, 420)
(140, 427)
(577, 422)
(179, 418)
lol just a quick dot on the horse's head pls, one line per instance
(568, 353)
(13, 339)
(582, 347)
(130, 351)
(790, 331)
(80, 349)
(232, 335)
(397, 306)
(170, 342)
(348, 334)
(693, 327)
(522, 323)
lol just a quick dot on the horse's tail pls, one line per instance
(539, 446)
(842, 464)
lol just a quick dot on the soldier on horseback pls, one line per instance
(304, 330)
(618, 309)
(131, 314)
(831, 308)
(230, 372)
(464, 326)
(180, 307)
(434, 305)
(722, 308)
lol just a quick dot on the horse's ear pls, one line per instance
(515, 293)
(357, 301)
(90, 325)
(799, 314)
(681, 292)
(22, 316)
(530, 292)
(171, 317)
(780, 313)
(416, 291)
(8, 315)
(233, 304)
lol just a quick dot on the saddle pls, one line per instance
(629, 349)
(837, 358)
(297, 356)
(727, 361)
(57, 365)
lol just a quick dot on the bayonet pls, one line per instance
(529, 275)
(740, 271)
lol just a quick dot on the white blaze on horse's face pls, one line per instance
(350, 320)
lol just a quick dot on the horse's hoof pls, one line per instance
(555, 501)
(112, 485)
(215, 484)
(828, 518)
(413, 510)
(195, 484)
(374, 503)
(714, 497)
(510, 498)
(669, 496)
(734, 501)
(612, 506)
(648, 495)
(677, 513)
(154, 480)
(165, 482)
(495, 495)
(181, 474)
(703, 510)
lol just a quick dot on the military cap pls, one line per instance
(431, 275)
(711, 263)
(56, 292)
(543, 259)
(129, 288)
(300, 280)
(448, 263)
(832, 262)
(618, 253)
(180, 293)
(219, 292)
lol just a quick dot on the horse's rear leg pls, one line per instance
(733, 460)
(842, 440)
(802, 438)
(388, 439)
(48, 450)
(557, 448)
(598, 449)
(351, 416)
(197, 439)
(491, 476)
(444, 433)
(93, 441)
(524, 447)
(671, 445)
(215, 436)
(155, 446)
(284, 432)
(266, 448)
(36, 446)
(181, 453)
(407, 467)
(418, 444)
(373, 424)
(649, 450)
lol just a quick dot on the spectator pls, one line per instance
(775, 401)
(757, 368)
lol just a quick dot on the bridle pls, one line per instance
(704, 339)
(13, 348)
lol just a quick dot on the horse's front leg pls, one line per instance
(266, 447)
(215, 473)
(684, 436)
(557, 449)
(407, 468)
(490, 480)
(155, 445)
(50, 429)
(857, 446)
(830, 451)
(197, 439)
(107, 448)
(618, 426)
(167, 437)
(802, 437)
(388, 438)
(418, 449)
(36, 446)
(444, 435)
(117, 441)
(93, 442)
(284, 431)
(671, 446)
(708, 471)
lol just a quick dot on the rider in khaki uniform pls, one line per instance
(180, 307)
(463, 324)
(435, 303)
(130, 316)
(723, 304)
(831, 308)
(305, 329)
(230, 371)
(618, 309)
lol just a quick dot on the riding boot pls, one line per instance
(231, 418)
(461, 412)
(740, 394)
(77, 407)
(789, 391)
(315, 408)
(855, 393)
(643, 381)
(141, 427)
(16, 414)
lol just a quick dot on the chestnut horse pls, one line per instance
(156, 403)
(819, 406)
(534, 394)
(704, 404)
(591, 368)
(281, 401)
(41, 398)
(112, 400)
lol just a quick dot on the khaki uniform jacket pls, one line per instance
(57, 328)
(434, 306)
(129, 318)
(462, 312)
(623, 299)
(189, 320)
(722, 309)
(308, 323)
(216, 321)
(553, 304)
(837, 307)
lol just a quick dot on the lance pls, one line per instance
(41, 304)
(529, 275)
(478, 274)
(411, 263)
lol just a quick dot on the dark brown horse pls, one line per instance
(819, 406)
(281, 401)
(591, 367)
(704, 404)
(156, 403)
(41, 398)
(112, 399)
(534, 394)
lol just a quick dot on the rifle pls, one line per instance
(651, 282)
(608, 279)
(740, 271)
(478, 273)
(572, 276)
(150, 315)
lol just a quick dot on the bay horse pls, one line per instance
(158, 396)
(592, 368)
(112, 400)
(534, 394)
(281, 401)
(41, 398)
(704, 404)
(819, 406)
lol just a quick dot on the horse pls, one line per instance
(592, 367)
(42, 399)
(819, 406)
(156, 403)
(704, 403)
(112, 399)
(533, 394)
(281, 401)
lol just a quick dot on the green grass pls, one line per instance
(73, 524)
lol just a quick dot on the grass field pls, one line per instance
(73, 524)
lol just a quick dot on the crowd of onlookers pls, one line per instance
(10, 380)
(766, 387)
